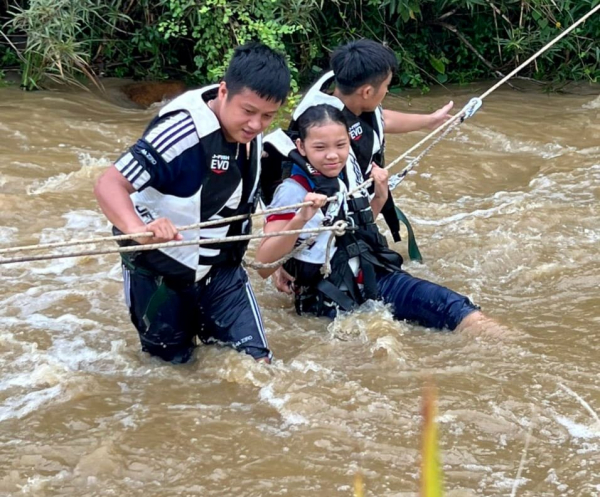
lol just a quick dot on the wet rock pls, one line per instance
(145, 93)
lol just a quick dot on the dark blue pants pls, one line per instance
(423, 302)
(219, 308)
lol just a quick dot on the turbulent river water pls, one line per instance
(505, 210)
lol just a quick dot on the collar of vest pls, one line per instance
(206, 122)
(281, 142)
(287, 148)
(316, 181)
(193, 102)
(316, 96)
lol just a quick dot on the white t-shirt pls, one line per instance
(291, 192)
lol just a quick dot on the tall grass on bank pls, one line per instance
(60, 37)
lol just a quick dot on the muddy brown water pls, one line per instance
(506, 211)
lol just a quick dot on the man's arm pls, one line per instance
(112, 191)
(402, 122)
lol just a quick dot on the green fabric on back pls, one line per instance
(413, 249)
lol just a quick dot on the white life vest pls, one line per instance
(219, 195)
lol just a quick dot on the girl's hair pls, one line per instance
(318, 115)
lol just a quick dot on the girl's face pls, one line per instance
(326, 147)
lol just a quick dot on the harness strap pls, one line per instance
(391, 219)
(356, 204)
(369, 278)
(393, 216)
(336, 295)
(413, 249)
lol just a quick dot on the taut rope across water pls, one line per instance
(338, 228)
(451, 124)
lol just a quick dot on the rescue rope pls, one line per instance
(280, 262)
(396, 179)
(326, 267)
(147, 234)
(468, 111)
(339, 228)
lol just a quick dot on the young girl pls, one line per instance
(363, 267)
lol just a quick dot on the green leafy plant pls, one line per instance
(436, 41)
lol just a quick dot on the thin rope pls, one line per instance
(541, 51)
(366, 183)
(483, 95)
(72, 243)
(517, 480)
(326, 268)
(339, 227)
(280, 262)
(415, 162)
(585, 405)
(145, 234)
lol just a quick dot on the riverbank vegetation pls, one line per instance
(437, 41)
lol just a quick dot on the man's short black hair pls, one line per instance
(362, 62)
(260, 69)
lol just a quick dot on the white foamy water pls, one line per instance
(505, 212)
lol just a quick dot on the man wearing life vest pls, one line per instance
(361, 74)
(198, 160)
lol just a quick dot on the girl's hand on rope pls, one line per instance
(380, 181)
(307, 212)
(164, 231)
(440, 116)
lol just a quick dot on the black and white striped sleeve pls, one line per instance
(133, 171)
(153, 160)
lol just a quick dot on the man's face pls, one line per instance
(244, 115)
(378, 94)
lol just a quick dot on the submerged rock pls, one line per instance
(145, 93)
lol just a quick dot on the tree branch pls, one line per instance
(462, 38)
(498, 11)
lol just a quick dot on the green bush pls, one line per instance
(437, 41)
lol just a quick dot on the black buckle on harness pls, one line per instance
(362, 218)
(333, 293)
(382, 240)
(353, 250)
(356, 204)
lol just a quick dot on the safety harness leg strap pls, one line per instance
(336, 295)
